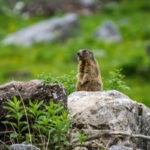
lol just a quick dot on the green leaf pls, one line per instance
(13, 135)
(24, 128)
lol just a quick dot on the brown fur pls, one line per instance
(89, 77)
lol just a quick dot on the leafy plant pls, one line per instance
(34, 109)
(55, 125)
(15, 118)
(49, 124)
(81, 137)
(116, 81)
(67, 80)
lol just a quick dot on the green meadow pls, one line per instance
(59, 58)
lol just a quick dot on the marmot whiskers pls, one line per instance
(89, 77)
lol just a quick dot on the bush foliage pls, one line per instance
(47, 126)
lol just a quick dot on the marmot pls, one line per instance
(89, 77)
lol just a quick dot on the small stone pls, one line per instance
(23, 147)
(108, 32)
(119, 147)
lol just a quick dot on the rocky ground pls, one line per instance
(109, 119)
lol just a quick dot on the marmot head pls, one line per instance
(84, 55)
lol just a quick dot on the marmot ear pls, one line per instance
(92, 55)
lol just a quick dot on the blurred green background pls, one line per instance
(132, 18)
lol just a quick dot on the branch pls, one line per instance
(4, 132)
(96, 134)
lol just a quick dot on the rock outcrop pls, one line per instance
(31, 90)
(109, 119)
(56, 29)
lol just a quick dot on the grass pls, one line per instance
(59, 58)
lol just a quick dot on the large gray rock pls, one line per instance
(108, 32)
(102, 111)
(31, 90)
(45, 31)
(23, 147)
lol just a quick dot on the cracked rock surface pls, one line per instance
(109, 110)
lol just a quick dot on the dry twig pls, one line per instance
(96, 134)
(4, 132)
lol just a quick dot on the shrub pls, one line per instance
(67, 80)
(116, 81)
